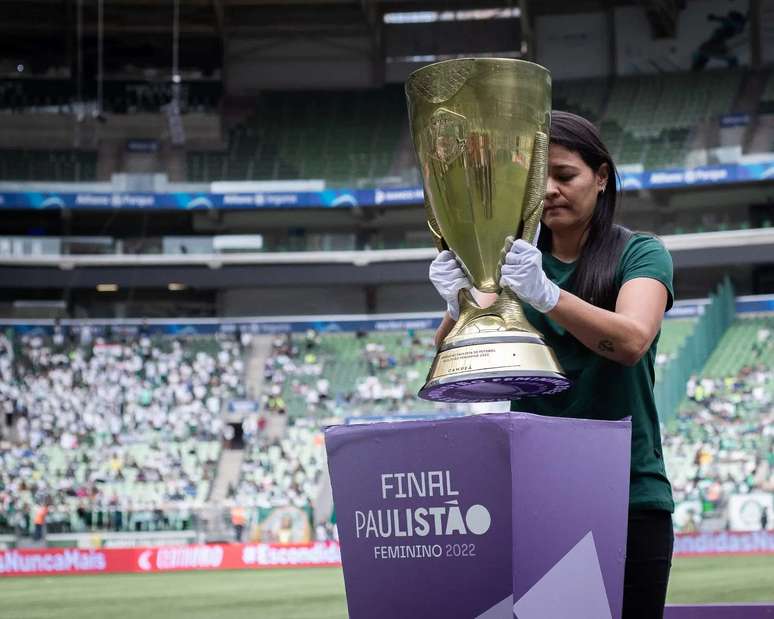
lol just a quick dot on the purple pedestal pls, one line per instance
(492, 516)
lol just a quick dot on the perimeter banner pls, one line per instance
(54, 561)
(487, 517)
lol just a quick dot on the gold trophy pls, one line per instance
(480, 128)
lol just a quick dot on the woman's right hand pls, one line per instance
(447, 276)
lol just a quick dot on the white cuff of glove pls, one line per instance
(547, 299)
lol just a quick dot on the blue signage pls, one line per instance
(348, 198)
(735, 120)
(270, 326)
(703, 175)
(143, 146)
(135, 327)
(188, 201)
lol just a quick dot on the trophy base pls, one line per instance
(506, 367)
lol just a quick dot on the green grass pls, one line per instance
(722, 579)
(301, 594)
(269, 594)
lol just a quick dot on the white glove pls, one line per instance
(522, 272)
(447, 276)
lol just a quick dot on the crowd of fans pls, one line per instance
(283, 472)
(111, 424)
(297, 368)
(123, 432)
(722, 443)
(348, 375)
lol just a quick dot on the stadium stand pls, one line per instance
(721, 442)
(359, 374)
(747, 342)
(52, 165)
(124, 432)
(284, 472)
(360, 136)
(585, 97)
(147, 459)
(348, 374)
(322, 382)
(33, 94)
(115, 424)
(335, 136)
(673, 333)
(58, 96)
(659, 113)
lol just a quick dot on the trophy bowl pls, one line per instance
(480, 129)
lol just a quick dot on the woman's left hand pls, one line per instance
(522, 272)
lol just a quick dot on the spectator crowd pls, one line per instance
(721, 444)
(111, 424)
(123, 431)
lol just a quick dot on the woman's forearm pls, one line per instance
(613, 335)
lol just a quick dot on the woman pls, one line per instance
(598, 293)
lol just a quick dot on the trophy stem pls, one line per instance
(493, 354)
(505, 314)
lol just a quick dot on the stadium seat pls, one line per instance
(50, 165)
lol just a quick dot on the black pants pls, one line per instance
(648, 560)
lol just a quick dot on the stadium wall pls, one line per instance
(292, 63)
(637, 51)
(276, 300)
(573, 46)
(344, 299)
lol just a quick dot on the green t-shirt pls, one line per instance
(605, 389)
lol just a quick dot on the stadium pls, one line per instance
(214, 246)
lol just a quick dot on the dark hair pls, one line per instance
(594, 276)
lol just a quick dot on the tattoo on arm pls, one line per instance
(605, 346)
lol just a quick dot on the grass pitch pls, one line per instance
(703, 580)
(316, 593)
